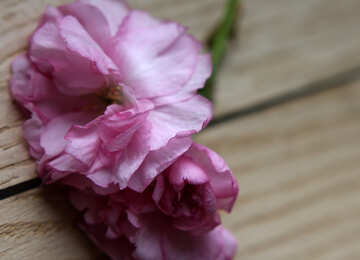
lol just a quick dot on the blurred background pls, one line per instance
(287, 103)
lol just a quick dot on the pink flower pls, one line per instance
(111, 93)
(122, 232)
(157, 240)
(176, 217)
(194, 188)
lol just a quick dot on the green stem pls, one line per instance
(218, 42)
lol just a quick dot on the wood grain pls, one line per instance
(285, 44)
(298, 171)
(40, 225)
(18, 19)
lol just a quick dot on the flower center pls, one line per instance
(111, 95)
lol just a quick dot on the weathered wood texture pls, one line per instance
(285, 44)
(298, 171)
(41, 225)
(18, 19)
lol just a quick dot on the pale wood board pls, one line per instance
(18, 19)
(298, 171)
(285, 44)
(299, 174)
(41, 225)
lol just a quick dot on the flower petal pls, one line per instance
(154, 58)
(132, 156)
(222, 180)
(185, 170)
(33, 128)
(157, 161)
(53, 137)
(101, 19)
(198, 78)
(179, 119)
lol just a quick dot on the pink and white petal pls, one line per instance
(38, 94)
(157, 240)
(222, 180)
(33, 128)
(74, 73)
(113, 10)
(53, 137)
(154, 58)
(133, 156)
(91, 19)
(119, 126)
(102, 177)
(80, 42)
(66, 164)
(149, 238)
(63, 104)
(78, 78)
(217, 244)
(185, 170)
(157, 161)
(179, 119)
(101, 19)
(47, 48)
(29, 85)
(197, 81)
(20, 88)
(51, 15)
(83, 143)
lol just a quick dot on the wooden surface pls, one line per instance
(40, 225)
(297, 163)
(299, 173)
(285, 44)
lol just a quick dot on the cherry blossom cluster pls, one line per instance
(111, 96)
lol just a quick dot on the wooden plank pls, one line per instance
(298, 171)
(17, 21)
(285, 44)
(40, 225)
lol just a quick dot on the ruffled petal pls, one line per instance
(53, 137)
(114, 12)
(66, 51)
(33, 128)
(198, 78)
(80, 42)
(217, 244)
(156, 240)
(157, 161)
(101, 19)
(179, 119)
(222, 180)
(27, 84)
(185, 170)
(154, 58)
(133, 156)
